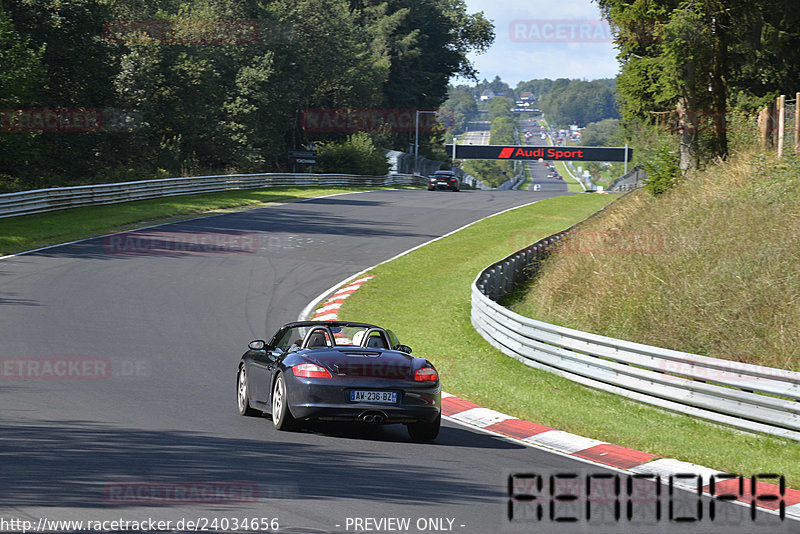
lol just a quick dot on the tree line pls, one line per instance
(167, 87)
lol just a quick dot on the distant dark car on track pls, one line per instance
(444, 180)
(339, 371)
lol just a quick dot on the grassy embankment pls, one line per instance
(431, 312)
(710, 268)
(31, 231)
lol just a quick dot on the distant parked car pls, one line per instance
(444, 180)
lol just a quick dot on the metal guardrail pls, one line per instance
(403, 163)
(749, 397)
(635, 178)
(43, 200)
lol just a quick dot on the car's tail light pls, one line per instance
(426, 374)
(310, 370)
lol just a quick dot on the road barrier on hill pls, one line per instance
(748, 397)
(43, 200)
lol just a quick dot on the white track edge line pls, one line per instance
(306, 312)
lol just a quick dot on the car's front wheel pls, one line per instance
(422, 431)
(281, 416)
(243, 396)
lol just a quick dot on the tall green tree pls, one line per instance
(22, 74)
(698, 58)
(78, 72)
(425, 43)
(460, 107)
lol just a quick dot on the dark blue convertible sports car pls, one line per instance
(339, 371)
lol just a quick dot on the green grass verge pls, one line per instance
(27, 232)
(572, 184)
(425, 298)
(527, 181)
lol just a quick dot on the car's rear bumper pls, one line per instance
(450, 187)
(388, 414)
(326, 399)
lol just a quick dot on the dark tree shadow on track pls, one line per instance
(76, 464)
(247, 233)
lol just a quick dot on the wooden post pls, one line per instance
(766, 124)
(781, 123)
(797, 123)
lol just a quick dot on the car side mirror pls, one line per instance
(403, 348)
(258, 344)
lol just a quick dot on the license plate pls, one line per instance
(443, 183)
(383, 397)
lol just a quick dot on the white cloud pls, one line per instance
(554, 55)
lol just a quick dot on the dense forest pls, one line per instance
(107, 90)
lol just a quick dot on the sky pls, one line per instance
(544, 39)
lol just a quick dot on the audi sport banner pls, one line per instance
(554, 153)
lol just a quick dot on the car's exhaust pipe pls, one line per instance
(372, 417)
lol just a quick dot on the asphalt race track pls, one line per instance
(117, 394)
(538, 170)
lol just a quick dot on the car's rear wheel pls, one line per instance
(243, 396)
(422, 431)
(281, 416)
